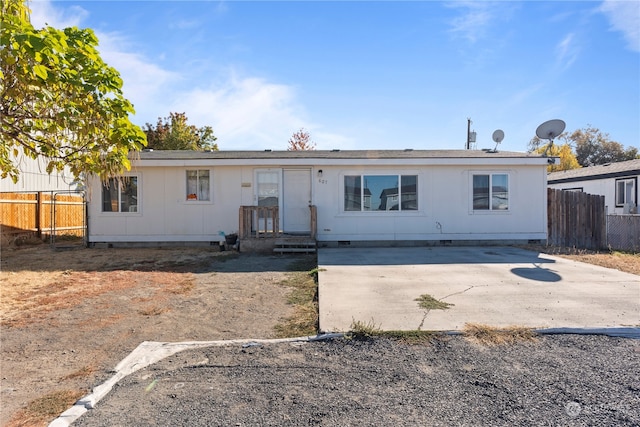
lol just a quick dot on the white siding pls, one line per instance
(164, 214)
(33, 177)
(604, 187)
(444, 197)
(444, 207)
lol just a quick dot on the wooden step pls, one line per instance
(295, 245)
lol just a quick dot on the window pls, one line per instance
(198, 185)
(120, 195)
(625, 191)
(268, 188)
(491, 191)
(380, 193)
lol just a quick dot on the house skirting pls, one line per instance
(419, 243)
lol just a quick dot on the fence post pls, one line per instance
(38, 224)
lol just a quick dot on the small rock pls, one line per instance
(251, 344)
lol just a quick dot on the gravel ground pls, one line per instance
(566, 380)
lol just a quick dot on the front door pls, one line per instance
(296, 200)
(268, 195)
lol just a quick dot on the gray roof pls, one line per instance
(609, 170)
(330, 154)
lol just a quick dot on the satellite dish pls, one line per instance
(549, 130)
(498, 136)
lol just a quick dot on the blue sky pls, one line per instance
(371, 74)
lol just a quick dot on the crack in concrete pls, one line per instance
(462, 292)
(426, 313)
(458, 293)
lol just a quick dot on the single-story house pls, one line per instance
(336, 197)
(617, 182)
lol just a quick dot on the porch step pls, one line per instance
(295, 245)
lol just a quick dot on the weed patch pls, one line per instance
(363, 330)
(303, 295)
(303, 322)
(182, 287)
(83, 372)
(368, 330)
(413, 337)
(45, 408)
(428, 302)
(489, 335)
(627, 261)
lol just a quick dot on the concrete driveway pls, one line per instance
(498, 286)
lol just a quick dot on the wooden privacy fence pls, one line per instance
(576, 219)
(45, 214)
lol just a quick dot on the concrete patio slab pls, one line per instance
(498, 286)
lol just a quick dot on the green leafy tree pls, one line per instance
(300, 141)
(590, 147)
(174, 133)
(60, 101)
(594, 147)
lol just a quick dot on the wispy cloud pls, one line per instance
(472, 24)
(624, 16)
(566, 52)
(479, 30)
(478, 18)
(524, 95)
(184, 24)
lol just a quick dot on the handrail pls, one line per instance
(264, 222)
(259, 221)
(314, 221)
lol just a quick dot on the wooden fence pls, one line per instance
(576, 219)
(43, 214)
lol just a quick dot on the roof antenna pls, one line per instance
(497, 136)
(549, 130)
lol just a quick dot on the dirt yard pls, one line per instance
(68, 317)
(623, 261)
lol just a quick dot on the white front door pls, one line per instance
(296, 192)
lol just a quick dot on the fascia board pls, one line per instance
(497, 161)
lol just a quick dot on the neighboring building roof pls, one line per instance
(329, 154)
(609, 170)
